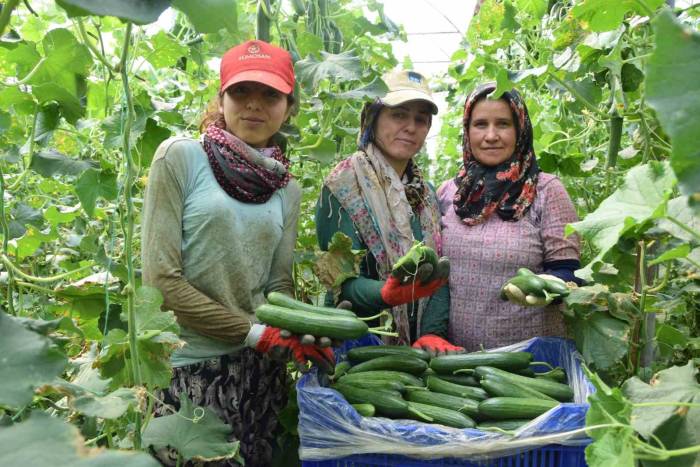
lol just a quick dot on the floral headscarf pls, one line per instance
(508, 188)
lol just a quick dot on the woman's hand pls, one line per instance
(269, 340)
(436, 345)
(428, 278)
(530, 289)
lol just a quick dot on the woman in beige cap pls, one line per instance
(379, 199)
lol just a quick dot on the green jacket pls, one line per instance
(364, 291)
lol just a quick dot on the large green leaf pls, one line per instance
(210, 15)
(46, 122)
(164, 51)
(602, 340)
(93, 184)
(137, 11)
(604, 15)
(27, 360)
(679, 210)
(50, 162)
(376, 88)
(642, 196)
(110, 406)
(341, 67)
(202, 439)
(673, 90)
(677, 427)
(147, 144)
(156, 334)
(42, 440)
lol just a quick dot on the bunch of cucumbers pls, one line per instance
(495, 391)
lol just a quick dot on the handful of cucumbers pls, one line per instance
(533, 289)
(421, 263)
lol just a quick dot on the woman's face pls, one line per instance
(492, 133)
(401, 131)
(253, 111)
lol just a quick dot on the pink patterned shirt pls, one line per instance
(484, 256)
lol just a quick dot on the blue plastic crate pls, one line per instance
(332, 433)
(546, 456)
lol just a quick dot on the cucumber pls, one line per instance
(558, 391)
(384, 404)
(362, 354)
(558, 374)
(505, 360)
(508, 425)
(305, 322)
(283, 300)
(444, 416)
(379, 384)
(528, 284)
(436, 384)
(406, 363)
(408, 264)
(340, 369)
(366, 410)
(383, 375)
(505, 408)
(466, 406)
(499, 386)
(526, 372)
(464, 380)
(552, 286)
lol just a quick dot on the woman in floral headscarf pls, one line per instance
(499, 214)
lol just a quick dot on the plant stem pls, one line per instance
(5, 14)
(5, 243)
(664, 404)
(128, 227)
(86, 40)
(11, 266)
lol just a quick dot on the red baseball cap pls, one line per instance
(260, 62)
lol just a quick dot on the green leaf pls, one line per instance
(110, 406)
(337, 67)
(675, 426)
(93, 184)
(149, 141)
(165, 50)
(680, 210)
(602, 340)
(137, 11)
(5, 122)
(156, 338)
(204, 439)
(503, 84)
(676, 59)
(49, 162)
(376, 88)
(674, 253)
(536, 8)
(615, 447)
(632, 77)
(210, 15)
(603, 15)
(509, 14)
(309, 44)
(42, 440)
(46, 122)
(56, 217)
(27, 360)
(325, 152)
(642, 197)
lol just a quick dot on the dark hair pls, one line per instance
(212, 116)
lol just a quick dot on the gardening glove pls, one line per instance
(530, 289)
(268, 340)
(436, 345)
(428, 279)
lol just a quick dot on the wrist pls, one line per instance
(254, 335)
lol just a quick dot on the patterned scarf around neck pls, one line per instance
(508, 188)
(245, 173)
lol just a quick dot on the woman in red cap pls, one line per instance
(219, 229)
(378, 198)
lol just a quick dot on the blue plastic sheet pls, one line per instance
(330, 428)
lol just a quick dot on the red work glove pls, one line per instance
(427, 280)
(267, 339)
(436, 345)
